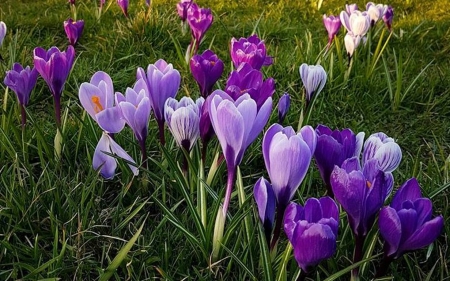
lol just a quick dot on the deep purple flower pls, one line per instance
(123, 4)
(200, 21)
(54, 66)
(183, 7)
(287, 156)
(2, 32)
(106, 163)
(387, 17)
(314, 78)
(251, 50)
(333, 147)
(312, 230)
(332, 25)
(237, 123)
(375, 11)
(360, 191)
(266, 202)
(71, 2)
(246, 79)
(206, 69)
(97, 98)
(163, 82)
(183, 120)
(283, 107)
(406, 225)
(73, 29)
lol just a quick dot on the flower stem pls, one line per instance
(23, 115)
(384, 266)
(302, 276)
(230, 183)
(143, 153)
(57, 103)
(278, 226)
(162, 138)
(357, 255)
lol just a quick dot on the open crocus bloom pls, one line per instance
(376, 11)
(97, 98)
(21, 81)
(73, 29)
(358, 23)
(206, 69)
(251, 50)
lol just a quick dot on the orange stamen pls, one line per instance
(97, 105)
(369, 184)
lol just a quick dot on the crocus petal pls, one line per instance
(410, 190)
(108, 164)
(425, 235)
(265, 200)
(389, 156)
(110, 120)
(390, 228)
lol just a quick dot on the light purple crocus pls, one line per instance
(2, 32)
(333, 147)
(251, 50)
(206, 69)
(246, 79)
(375, 11)
(183, 120)
(73, 29)
(312, 231)
(388, 17)
(357, 23)
(384, 149)
(21, 81)
(97, 98)
(162, 82)
(237, 123)
(332, 25)
(351, 43)
(54, 66)
(135, 109)
(123, 4)
(350, 8)
(287, 156)
(283, 107)
(200, 21)
(314, 78)
(106, 163)
(266, 203)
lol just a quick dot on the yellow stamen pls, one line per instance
(97, 105)
(369, 184)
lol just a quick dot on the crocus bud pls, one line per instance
(2, 32)
(351, 43)
(73, 29)
(71, 2)
(388, 17)
(283, 107)
(384, 149)
(332, 25)
(375, 11)
(266, 202)
(21, 81)
(200, 21)
(251, 50)
(314, 78)
(123, 4)
(206, 69)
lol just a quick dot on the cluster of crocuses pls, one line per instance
(357, 23)
(360, 186)
(197, 18)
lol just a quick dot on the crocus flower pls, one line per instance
(72, 2)
(387, 17)
(135, 108)
(2, 32)
(332, 25)
(237, 123)
(147, 2)
(314, 78)
(162, 82)
(97, 98)
(358, 23)
(266, 202)
(246, 79)
(375, 11)
(183, 6)
(21, 81)
(183, 119)
(200, 21)
(283, 107)
(102, 2)
(312, 230)
(73, 29)
(123, 4)
(287, 156)
(54, 66)
(406, 225)
(206, 129)
(384, 149)
(251, 50)
(206, 69)
(351, 43)
(333, 147)
(106, 163)
(349, 8)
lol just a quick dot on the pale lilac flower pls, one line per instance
(314, 78)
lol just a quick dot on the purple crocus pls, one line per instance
(183, 119)
(387, 17)
(206, 128)
(314, 78)
(106, 163)
(283, 107)
(246, 79)
(406, 225)
(135, 109)
(333, 147)
(71, 2)
(312, 231)
(123, 4)
(375, 11)
(251, 50)
(200, 21)
(237, 123)
(97, 98)
(162, 82)
(206, 69)
(384, 149)
(73, 29)
(102, 3)
(147, 2)
(266, 202)
(21, 81)
(183, 7)
(54, 66)
(2, 32)
(332, 25)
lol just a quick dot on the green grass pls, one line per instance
(60, 221)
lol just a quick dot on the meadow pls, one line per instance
(61, 220)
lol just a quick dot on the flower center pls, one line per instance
(97, 105)
(369, 184)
